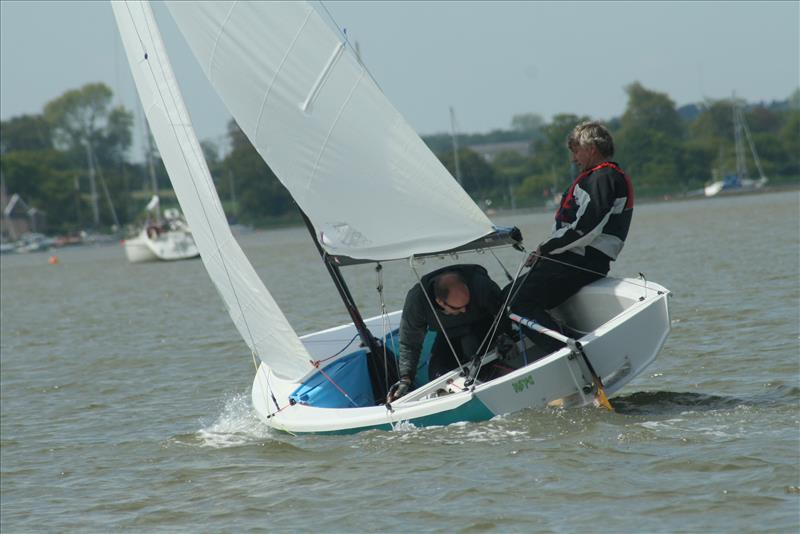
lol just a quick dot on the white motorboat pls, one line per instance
(370, 191)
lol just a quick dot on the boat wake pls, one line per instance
(670, 402)
(236, 426)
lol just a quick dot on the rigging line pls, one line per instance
(189, 169)
(752, 146)
(266, 380)
(433, 309)
(326, 341)
(338, 353)
(496, 323)
(386, 336)
(382, 308)
(508, 275)
(548, 258)
(517, 287)
(96, 164)
(342, 391)
(280, 408)
(347, 43)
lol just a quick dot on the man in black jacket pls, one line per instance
(591, 225)
(463, 300)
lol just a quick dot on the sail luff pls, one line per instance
(371, 187)
(253, 310)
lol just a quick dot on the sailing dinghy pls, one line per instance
(370, 191)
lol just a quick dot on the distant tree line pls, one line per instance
(49, 158)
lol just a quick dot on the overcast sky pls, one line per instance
(489, 60)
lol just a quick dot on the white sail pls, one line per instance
(370, 186)
(253, 310)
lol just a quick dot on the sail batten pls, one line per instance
(254, 312)
(367, 182)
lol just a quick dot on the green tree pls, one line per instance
(650, 140)
(85, 116)
(790, 140)
(26, 132)
(651, 110)
(79, 116)
(715, 123)
(552, 150)
(527, 122)
(477, 176)
(550, 170)
(45, 181)
(85, 127)
(260, 194)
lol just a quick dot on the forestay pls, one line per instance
(370, 186)
(253, 310)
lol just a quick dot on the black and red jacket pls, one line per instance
(595, 213)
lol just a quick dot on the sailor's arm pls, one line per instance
(413, 328)
(595, 197)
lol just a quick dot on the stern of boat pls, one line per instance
(619, 347)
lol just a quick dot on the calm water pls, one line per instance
(125, 401)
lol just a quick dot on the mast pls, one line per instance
(454, 135)
(741, 164)
(92, 184)
(152, 169)
(105, 191)
(380, 377)
(757, 161)
(234, 204)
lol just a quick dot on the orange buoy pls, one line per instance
(53, 260)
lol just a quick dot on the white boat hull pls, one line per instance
(746, 186)
(627, 322)
(167, 246)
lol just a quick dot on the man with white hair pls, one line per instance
(591, 224)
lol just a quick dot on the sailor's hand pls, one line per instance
(505, 347)
(533, 259)
(399, 389)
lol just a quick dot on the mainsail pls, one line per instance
(372, 189)
(253, 310)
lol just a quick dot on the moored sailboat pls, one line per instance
(370, 191)
(739, 182)
(163, 237)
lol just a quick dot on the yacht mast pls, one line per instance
(152, 168)
(741, 164)
(92, 184)
(757, 161)
(454, 135)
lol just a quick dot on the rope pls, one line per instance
(274, 400)
(342, 391)
(496, 323)
(346, 38)
(508, 275)
(384, 321)
(316, 362)
(548, 258)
